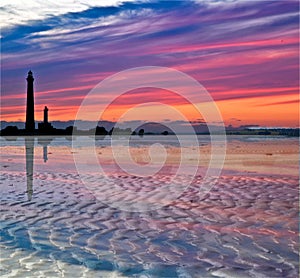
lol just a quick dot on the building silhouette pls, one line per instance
(46, 115)
(30, 125)
(45, 126)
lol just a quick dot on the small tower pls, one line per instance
(30, 125)
(45, 127)
(46, 115)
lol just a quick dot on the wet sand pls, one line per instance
(246, 226)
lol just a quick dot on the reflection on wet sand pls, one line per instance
(247, 226)
(29, 147)
(45, 142)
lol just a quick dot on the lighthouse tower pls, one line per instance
(30, 125)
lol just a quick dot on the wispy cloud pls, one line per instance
(292, 101)
(19, 12)
(237, 49)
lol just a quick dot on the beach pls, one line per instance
(54, 225)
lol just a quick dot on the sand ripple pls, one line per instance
(247, 226)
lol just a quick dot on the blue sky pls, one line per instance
(244, 51)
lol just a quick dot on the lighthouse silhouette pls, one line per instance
(30, 125)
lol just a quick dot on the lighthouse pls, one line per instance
(45, 127)
(30, 125)
(46, 115)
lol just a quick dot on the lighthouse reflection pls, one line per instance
(44, 142)
(29, 150)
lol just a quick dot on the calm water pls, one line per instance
(54, 226)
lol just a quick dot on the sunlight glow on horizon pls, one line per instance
(245, 53)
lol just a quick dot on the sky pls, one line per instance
(245, 53)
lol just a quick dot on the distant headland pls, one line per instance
(46, 128)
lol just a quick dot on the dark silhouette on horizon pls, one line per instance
(46, 128)
(46, 115)
(30, 124)
(141, 132)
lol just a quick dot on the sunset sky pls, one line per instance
(245, 53)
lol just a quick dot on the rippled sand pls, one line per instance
(246, 226)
